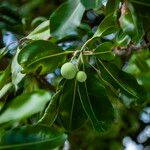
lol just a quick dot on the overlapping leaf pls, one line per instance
(89, 4)
(96, 103)
(42, 56)
(24, 106)
(104, 51)
(42, 32)
(4, 76)
(129, 23)
(32, 137)
(16, 69)
(125, 85)
(107, 26)
(71, 112)
(81, 100)
(52, 110)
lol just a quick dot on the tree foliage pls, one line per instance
(107, 40)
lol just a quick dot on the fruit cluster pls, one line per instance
(69, 71)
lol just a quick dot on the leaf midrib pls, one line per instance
(117, 80)
(46, 57)
(30, 143)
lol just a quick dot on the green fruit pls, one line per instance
(81, 76)
(68, 70)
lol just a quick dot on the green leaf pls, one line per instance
(122, 39)
(9, 17)
(5, 89)
(42, 32)
(141, 2)
(96, 103)
(24, 106)
(51, 111)
(4, 76)
(104, 51)
(41, 56)
(89, 4)
(112, 6)
(107, 26)
(71, 112)
(129, 23)
(66, 18)
(124, 85)
(32, 137)
(16, 69)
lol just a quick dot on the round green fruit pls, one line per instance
(68, 70)
(81, 76)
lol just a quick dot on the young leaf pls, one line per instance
(42, 56)
(96, 103)
(24, 106)
(32, 137)
(42, 32)
(66, 18)
(125, 85)
(107, 26)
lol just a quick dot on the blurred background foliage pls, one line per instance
(130, 132)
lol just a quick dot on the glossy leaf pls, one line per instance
(129, 24)
(51, 111)
(107, 26)
(32, 137)
(104, 51)
(96, 103)
(122, 39)
(66, 18)
(42, 32)
(71, 112)
(24, 106)
(5, 89)
(89, 4)
(41, 56)
(125, 85)
(16, 69)
(4, 76)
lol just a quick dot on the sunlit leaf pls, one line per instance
(107, 26)
(24, 106)
(42, 56)
(42, 32)
(16, 69)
